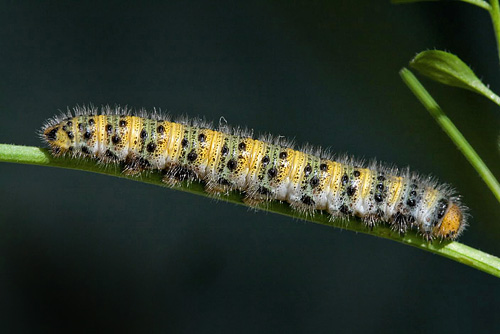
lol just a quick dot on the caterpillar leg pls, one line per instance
(135, 166)
(370, 220)
(132, 170)
(217, 188)
(253, 202)
(170, 180)
(307, 209)
(399, 223)
(174, 176)
(255, 196)
(216, 185)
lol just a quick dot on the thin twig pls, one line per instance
(450, 249)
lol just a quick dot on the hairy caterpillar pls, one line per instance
(264, 169)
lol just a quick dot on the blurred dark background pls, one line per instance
(87, 253)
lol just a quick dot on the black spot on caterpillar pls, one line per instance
(263, 169)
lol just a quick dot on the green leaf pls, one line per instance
(480, 3)
(451, 130)
(448, 69)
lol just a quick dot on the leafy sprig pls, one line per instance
(449, 69)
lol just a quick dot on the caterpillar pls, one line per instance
(262, 169)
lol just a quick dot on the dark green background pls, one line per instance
(85, 252)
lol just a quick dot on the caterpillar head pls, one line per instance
(452, 223)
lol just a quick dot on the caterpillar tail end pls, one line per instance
(57, 139)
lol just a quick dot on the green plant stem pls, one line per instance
(480, 3)
(495, 19)
(446, 124)
(450, 249)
